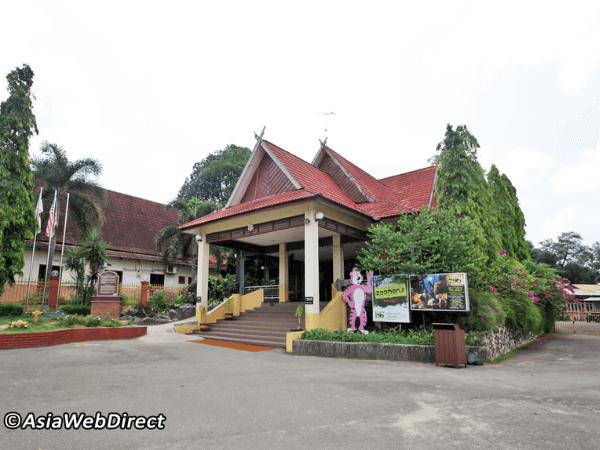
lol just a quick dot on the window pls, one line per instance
(157, 279)
(181, 280)
(189, 280)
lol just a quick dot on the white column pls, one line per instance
(338, 258)
(311, 262)
(202, 279)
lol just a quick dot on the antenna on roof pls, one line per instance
(326, 114)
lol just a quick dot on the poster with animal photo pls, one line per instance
(439, 292)
(390, 299)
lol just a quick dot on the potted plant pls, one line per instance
(203, 325)
(229, 313)
(299, 312)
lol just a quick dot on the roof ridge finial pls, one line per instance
(262, 133)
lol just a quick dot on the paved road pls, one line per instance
(547, 397)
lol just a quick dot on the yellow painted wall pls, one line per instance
(333, 318)
(252, 300)
(236, 304)
(289, 340)
(186, 329)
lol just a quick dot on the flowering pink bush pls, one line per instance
(530, 301)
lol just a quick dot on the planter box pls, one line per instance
(48, 338)
(370, 350)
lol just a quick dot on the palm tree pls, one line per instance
(59, 174)
(178, 245)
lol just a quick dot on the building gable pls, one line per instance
(268, 180)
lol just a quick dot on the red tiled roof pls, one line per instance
(373, 187)
(392, 195)
(413, 189)
(130, 226)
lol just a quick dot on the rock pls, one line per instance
(143, 311)
(185, 311)
(159, 320)
(190, 298)
(128, 318)
(173, 314)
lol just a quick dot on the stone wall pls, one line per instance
(503, 341)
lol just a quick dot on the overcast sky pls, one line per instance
(149, 88)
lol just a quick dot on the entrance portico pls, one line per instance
(318, 212)
(316, 240)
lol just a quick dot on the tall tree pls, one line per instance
(59, 174)
(17, 207)
(507, 214)
(171, 243)
(214, 178)
(568, 248)
(461, 185)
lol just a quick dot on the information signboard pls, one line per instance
(439, 292)
(390, 299)
(108, 283)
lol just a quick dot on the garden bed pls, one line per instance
(65, 336)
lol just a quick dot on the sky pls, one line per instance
(150, 88)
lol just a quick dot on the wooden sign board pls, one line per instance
(108, 283)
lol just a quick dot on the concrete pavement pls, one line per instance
(547, 397)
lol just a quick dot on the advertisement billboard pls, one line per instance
(390, 299)
(439, 292)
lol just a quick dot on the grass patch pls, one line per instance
(56, 323)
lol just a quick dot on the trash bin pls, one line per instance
(449, 345)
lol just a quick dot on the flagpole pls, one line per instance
(62, 253)
(49, 261)
(39, 219)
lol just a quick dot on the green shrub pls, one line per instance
(159, 300)
(410, 337)
(11, 309)
(522, 314)
(82, 310)
(486, 313)
(69, 321)
(92, 321)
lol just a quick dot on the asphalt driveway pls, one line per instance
(547, 397)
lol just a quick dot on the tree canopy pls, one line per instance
(461, 185)
(570, 257)
(426, 242)
(17, 207)
(507, 214)
(59, 174)
(214, 178)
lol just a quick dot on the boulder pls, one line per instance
(185, 311)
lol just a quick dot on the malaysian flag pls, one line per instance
(52, 219)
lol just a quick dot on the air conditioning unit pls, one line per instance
(171, 269)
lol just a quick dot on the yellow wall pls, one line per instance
(289, 340)
(217, 313)
(252, 300)
(186, 329)
(332, 318)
